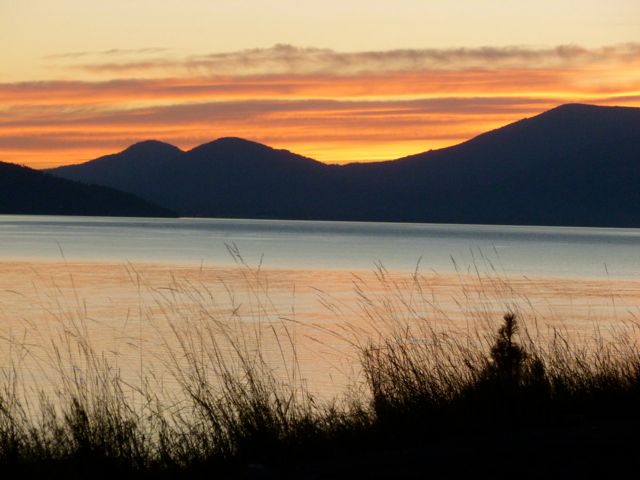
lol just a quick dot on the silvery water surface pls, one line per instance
(520, 250)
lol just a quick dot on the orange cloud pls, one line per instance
(469, 83)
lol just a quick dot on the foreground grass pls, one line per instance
(503, 402)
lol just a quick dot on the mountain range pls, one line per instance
(572, 165)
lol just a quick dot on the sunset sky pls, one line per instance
(337, 80)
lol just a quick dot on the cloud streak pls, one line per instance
(563, 83)
(291, 60)
(274, 110)
(113, 52)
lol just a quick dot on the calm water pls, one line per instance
(554, 251)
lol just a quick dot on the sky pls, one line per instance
(337, 80)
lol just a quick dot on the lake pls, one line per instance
(135, 285)
(548, 251)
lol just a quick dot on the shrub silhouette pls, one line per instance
(514, 386)
(507, 357)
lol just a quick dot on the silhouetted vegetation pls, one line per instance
(434, 404)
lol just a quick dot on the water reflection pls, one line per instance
(130, 312)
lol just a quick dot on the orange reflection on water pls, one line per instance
(131, 313)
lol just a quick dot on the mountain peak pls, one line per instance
(231, 143)
(152, 147)
(235, 141)
(587, 111)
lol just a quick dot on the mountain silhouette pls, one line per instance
(229, 177)
(572, 165)
(27, 191)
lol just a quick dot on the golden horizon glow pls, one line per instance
(100, 85)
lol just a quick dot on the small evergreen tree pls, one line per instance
(507, 356)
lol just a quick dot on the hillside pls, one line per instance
(27, 191)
